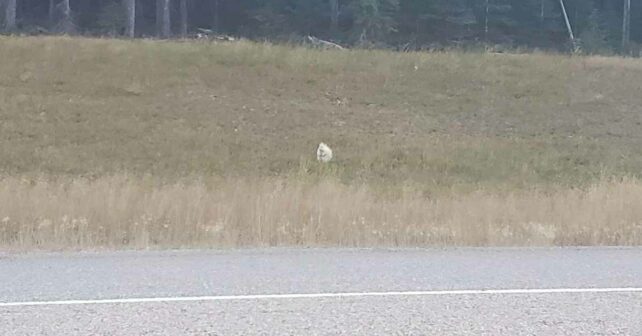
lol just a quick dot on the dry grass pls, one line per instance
(83, 107)
(125, 212)
(164, 144)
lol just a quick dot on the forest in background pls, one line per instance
(594, 26)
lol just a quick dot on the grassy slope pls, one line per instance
(447, 120)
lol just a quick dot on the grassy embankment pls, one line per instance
(164, 144)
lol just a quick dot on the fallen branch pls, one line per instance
(317, 42)
(210, 34)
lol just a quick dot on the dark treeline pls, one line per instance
(597, 26)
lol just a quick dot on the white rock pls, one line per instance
(324, 153)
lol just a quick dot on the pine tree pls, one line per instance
(375, 19)
(594, 37)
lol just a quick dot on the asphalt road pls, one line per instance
(352, 292)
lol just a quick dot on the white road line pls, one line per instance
(322, 295)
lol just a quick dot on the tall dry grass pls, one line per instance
(122, 211)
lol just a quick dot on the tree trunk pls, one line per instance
(10, 15)
(486, 21)
(163, 23)
(66, 8)
(183, 18)
(568, 23)
(130, 8)
(215, 23)
(66, 25)
(52, 8)
(159, 15)
(334, 16)
(541, 13)
(626, 25)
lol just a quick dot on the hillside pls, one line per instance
(412, 124)
(93, 107)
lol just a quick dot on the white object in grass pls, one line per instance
(324, 153)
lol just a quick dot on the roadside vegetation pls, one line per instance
(163, 144)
